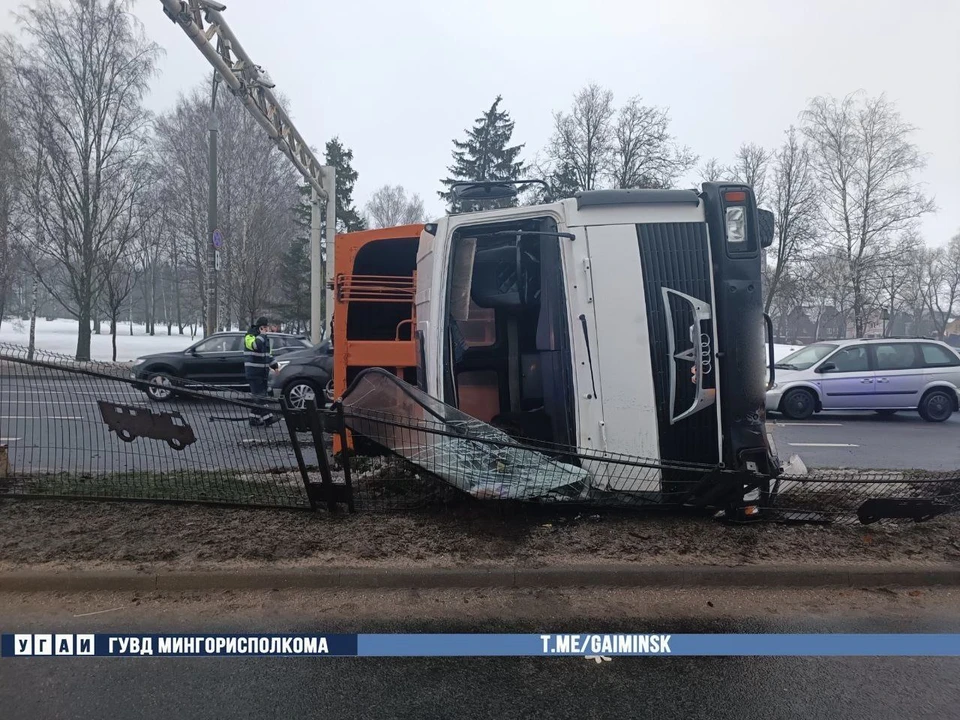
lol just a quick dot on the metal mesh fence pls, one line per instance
(88, 430)
(483, 462)
(476, 461)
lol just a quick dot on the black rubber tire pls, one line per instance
(295, 401)
(798, 404)
(936, 406)
(886, 413)
(151, 385)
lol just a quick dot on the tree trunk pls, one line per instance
(32, 342)
(113, 333)
(83, 330)
(176, 291)
(153, 300)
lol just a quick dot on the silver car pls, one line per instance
(885, 375)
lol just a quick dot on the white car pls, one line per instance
(885, 375)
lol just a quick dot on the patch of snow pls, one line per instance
(781, 351)
(60, 336)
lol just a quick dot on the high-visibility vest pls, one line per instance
(257, 357)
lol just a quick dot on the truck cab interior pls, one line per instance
(507, 355)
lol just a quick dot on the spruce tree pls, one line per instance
(485, 154)
(340, 157)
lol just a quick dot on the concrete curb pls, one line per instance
(623, 576)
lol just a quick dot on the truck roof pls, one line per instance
(595, 198)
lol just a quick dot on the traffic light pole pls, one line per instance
(212, 269)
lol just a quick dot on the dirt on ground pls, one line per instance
(107, 535)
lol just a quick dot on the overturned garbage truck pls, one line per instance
(622, 324)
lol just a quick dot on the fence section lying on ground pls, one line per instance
(87, 430)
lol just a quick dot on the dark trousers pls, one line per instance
(258, 389)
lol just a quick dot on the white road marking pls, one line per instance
(39, 417)
(822, 445)
(806, 424)
(10, 439)
(98, 612)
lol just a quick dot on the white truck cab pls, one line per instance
(618, 321)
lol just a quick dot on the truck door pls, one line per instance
(621, 357)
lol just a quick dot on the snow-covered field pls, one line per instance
(60, 336)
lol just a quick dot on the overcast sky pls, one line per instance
(397, 81)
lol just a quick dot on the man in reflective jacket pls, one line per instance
(257, 364)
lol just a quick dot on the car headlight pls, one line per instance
(775, 386)
(139, 361)
(281, 364)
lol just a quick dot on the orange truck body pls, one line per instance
(374, 312)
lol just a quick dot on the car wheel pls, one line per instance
(886, 413)
(798, 404)
(160, 388)
(328, 390)
(936, 406)
(298, 393)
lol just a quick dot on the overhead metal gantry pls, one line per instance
(203, 23)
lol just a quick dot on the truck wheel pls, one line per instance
(936, 406)
(798, 404)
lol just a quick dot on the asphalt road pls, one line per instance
(866, 440)
(731, 687)
(53, 424)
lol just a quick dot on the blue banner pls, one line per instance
(55, 644)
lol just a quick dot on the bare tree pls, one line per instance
(87, 67)
(584, 137)
(257, 196)
(750, 167)
(118, 285)
(897, 281)
(826, 273)
(9, 188)
(793, 200)
(390, 206)
(916, 290)
(866, 163)
(644, 154)
(714, 171)
(181, 140)
(943, 297)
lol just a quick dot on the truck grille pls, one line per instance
(675, 256)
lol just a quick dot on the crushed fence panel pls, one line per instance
(485, 463)
(88, 430)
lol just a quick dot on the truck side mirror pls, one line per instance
(765, 221)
